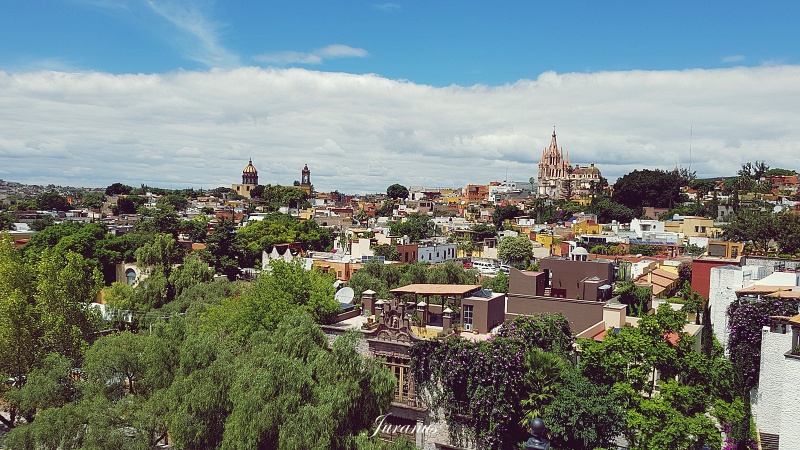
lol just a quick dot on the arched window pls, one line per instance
(130, 277)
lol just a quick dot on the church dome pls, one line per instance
(250, 174)
(250, 168)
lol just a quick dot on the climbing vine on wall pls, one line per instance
(479, 387)
(745, 320)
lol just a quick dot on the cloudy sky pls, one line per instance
(181, 93)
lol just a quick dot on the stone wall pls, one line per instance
(771, 264)
(333, 333)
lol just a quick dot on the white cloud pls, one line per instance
(361, 133)
(317, 56)
(386, 6)
(203, 43)
(733, 58)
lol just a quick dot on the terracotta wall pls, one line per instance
(581, 314)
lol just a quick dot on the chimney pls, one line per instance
(614, 314)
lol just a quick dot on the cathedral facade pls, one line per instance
(558, 179)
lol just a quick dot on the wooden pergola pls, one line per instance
(768, 291)
(455, 291)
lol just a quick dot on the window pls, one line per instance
(405, 385)
(130, 277)
(468, 316)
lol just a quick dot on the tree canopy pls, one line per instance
(397, 191)
(416, 226)
(517, 251)
(646, 187)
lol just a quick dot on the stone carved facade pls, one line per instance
(558, 179)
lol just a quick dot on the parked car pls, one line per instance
(485, 267)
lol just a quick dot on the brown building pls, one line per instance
(526, 296)
(584, 280)
(482, 311)
(408, 252)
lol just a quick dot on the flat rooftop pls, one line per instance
(437, 289)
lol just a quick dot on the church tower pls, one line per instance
(558, 178)
(249, 180)
(250, 174)
(552, 170)
(305, 181)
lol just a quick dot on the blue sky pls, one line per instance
(437, 43)
(182, 93)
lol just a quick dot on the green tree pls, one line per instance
(93, 200)
(6, 221)
(275, 197)
(694, 388)
(388, 251)
(749, 225)
(114, 363)
(47, 386)
(517, 251)
(177, 201)
(397, 191)
(192, 271)
(224, 249)
(483, 231)
(416, 226)
(386, 209)
(497, 283)
(161, 219)
(657, 188)
(285, 287)
(788, 233)
(52, 201)
(118, 189)
(503, 213)
(364, 280)
(448, 272)
(294, 391)
(312, 236)
(608, 210)
(43, 310)
(129, 204)
(584, 415)
(544, 373)
(156, 259)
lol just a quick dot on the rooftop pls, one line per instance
(436, 289)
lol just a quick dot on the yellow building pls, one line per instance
(547, 240)
(692, 226)
(450, 196)
(585, 227)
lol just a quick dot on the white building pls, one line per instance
(437, 253)
(723, 284)
(776, 400)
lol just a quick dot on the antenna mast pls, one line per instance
(690, 148)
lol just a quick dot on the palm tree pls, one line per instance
(544, 374)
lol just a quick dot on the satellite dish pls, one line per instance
(345, 295)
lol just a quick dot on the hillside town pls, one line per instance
(222, 318)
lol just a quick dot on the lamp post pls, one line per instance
(537, 441)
